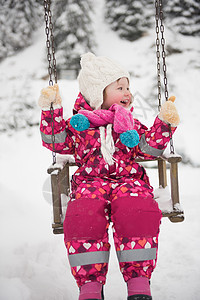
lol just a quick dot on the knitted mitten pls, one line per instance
(50, 95)
(168, 112)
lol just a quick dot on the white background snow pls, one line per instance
(33, 263)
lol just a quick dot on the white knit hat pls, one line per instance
(96, 73)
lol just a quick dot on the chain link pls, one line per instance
(52, 46)
(53, 134)
(158, 54)
(160, 31)
(172, 151)
(50, 42)
(163, 51)
(51, 62)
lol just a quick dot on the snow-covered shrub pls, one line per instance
(183, 16)
(73, 32)
(130, 19)
(18, 20)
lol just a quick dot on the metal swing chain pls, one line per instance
(50, 41)
(160, 29)
(158, 54)
(51, 61)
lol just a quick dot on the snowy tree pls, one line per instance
(73, 32)
(18, 20)
(183, 16)
(130, 18)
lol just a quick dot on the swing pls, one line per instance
(61, 167)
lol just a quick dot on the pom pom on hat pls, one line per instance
(96, 73)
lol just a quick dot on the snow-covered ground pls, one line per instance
(33, 263)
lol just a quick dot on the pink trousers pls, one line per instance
(128, 203)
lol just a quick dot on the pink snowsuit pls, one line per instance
(101, 194)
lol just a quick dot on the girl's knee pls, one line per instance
(85, 219)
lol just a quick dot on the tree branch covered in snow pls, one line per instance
(18, 20)
(183, 16)
(73, 32)
(131, 19)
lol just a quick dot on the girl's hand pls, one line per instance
(168, 112)
(50, 95)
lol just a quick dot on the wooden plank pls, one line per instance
(174, 216)
(60, 185)
(58, 230)
(64, 180)
(59, 168)
(56, 199)
(174, 183)
(174, 158)
(179, 217)
(162, 173)
(57, 225)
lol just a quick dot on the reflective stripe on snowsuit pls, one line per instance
(88, 258)
(136, 255)
(59, 137)
(145, 148)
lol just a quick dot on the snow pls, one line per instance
(162, 196)
(61, 160)
(33, 263)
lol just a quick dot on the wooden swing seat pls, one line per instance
(60, 183)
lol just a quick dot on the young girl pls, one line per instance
(109, 186)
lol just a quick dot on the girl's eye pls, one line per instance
(120, 88)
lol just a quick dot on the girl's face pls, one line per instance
(117, 92)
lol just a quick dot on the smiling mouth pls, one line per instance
(124, 101)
